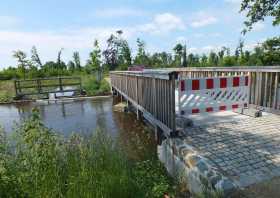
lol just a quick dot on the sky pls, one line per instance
(204, 25)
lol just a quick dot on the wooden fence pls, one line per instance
(47, 85)
(153, 93)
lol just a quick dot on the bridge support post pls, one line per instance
(139, 114)
(159, 135)
(114, 92)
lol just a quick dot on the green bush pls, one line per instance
(94, 87)
(39, 163)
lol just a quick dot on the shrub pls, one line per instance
(94, 87)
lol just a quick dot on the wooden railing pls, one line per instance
(151, 92)
(264, 81)
(47, 85)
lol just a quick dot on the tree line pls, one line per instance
(118, 55)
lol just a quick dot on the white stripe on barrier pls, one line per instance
(212, 94)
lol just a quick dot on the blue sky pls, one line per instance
(204, 25)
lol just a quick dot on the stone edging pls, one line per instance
(197, 167)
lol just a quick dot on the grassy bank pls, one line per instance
(94, 87)
(7, 91)
(36, 162)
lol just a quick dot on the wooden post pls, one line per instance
(275, 98)
(60, 84)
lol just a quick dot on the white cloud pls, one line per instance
(49, 42)
(257, 27)
(118, 12)
(163, 23)
(202, 18)
(204, 22)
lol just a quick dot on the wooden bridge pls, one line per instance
(42, 86)
(152, 92)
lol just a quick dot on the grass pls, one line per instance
(94, 87)
(36, 162)
(6, 91)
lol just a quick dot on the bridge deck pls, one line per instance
(246, 150)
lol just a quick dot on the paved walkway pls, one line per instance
(246, 149)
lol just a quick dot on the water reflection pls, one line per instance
(65, 117)
(85, 117)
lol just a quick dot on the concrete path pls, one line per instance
(245, 149)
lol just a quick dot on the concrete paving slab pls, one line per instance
(243, 148)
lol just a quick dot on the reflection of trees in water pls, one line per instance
(79, 109)
(101, 121)
(135, 138)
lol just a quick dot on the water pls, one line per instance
(84, 117)
(66, 117)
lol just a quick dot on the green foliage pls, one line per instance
(39, 163)
(94, 87)
(141, 57)
(117, 55)
(150, 176)
(94, 62)
(6, 91)
(258, 10)
(77, 61)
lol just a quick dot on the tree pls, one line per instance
(71, 66)
(239, 55)
(59, 57)
(204, 60)
(124, 57)
(271, 53)
(111, 52)
(22, 61)
(77, 60)
(213, 59)
(221, 55)
(35, 57)
(258, 10)
(94, 62)
(184, 56)
(178, 50)
(141, 57)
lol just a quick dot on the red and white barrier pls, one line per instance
(212, 94)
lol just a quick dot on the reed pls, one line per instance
(36, 162)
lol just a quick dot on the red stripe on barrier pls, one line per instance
(223, 82)
(195, 84)
(235, 106)
(209, 109)
(223, 108)
(195, 110)
(182, 85)
(246, 81)
(209, 84)
(235, 82)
